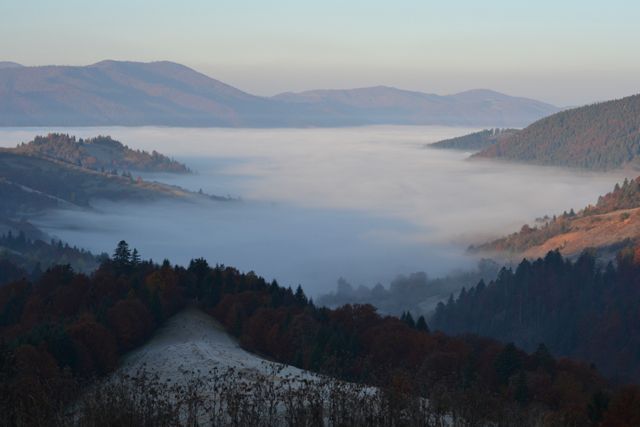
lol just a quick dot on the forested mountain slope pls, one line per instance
(31, 184)
(31, 257)
(601, 136)
(100, 153)
(577, 309)
(474, 141)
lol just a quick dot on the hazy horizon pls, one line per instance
(567, 54)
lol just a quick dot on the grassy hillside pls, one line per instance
(613, 222)
(601, 136)
(99, 153)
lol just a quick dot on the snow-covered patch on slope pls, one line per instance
(192, 343)
(193, 373)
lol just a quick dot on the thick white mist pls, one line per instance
(363, 203)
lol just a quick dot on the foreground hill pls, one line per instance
(69, 327)
(614, 222)
(600, 136)
(99, 153)
(475, 141)
(170, 94)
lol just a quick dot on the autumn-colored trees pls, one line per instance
(624, 408)
(99, 153)
(357, 344)
(66, 328)
(94, 347)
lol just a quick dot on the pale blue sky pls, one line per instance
(565, 52)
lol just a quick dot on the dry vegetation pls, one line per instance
(613, 223)
(233, 398)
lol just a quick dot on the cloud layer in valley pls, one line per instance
(362, 203)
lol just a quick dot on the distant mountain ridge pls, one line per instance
(601, 136)
(380, 104)
(9, 64)
(164, 93)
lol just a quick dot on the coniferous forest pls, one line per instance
(602, 136)
(576, 308)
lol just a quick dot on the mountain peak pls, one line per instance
(481, 91)
(129, 93)
(9, 64)
(115, 63)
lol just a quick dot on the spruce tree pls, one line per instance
(135, 257)
(421, 324)
(507, 363)
(409, 320)
(122, 254)
(300, 296)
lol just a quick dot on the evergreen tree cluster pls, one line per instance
(576, 308)
(32, 256)
(625, 196)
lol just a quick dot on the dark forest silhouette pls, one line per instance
(67, 328)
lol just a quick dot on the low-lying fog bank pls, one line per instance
(365, 204)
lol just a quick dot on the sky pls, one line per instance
(565, 52)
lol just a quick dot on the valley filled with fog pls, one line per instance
(312, 205)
